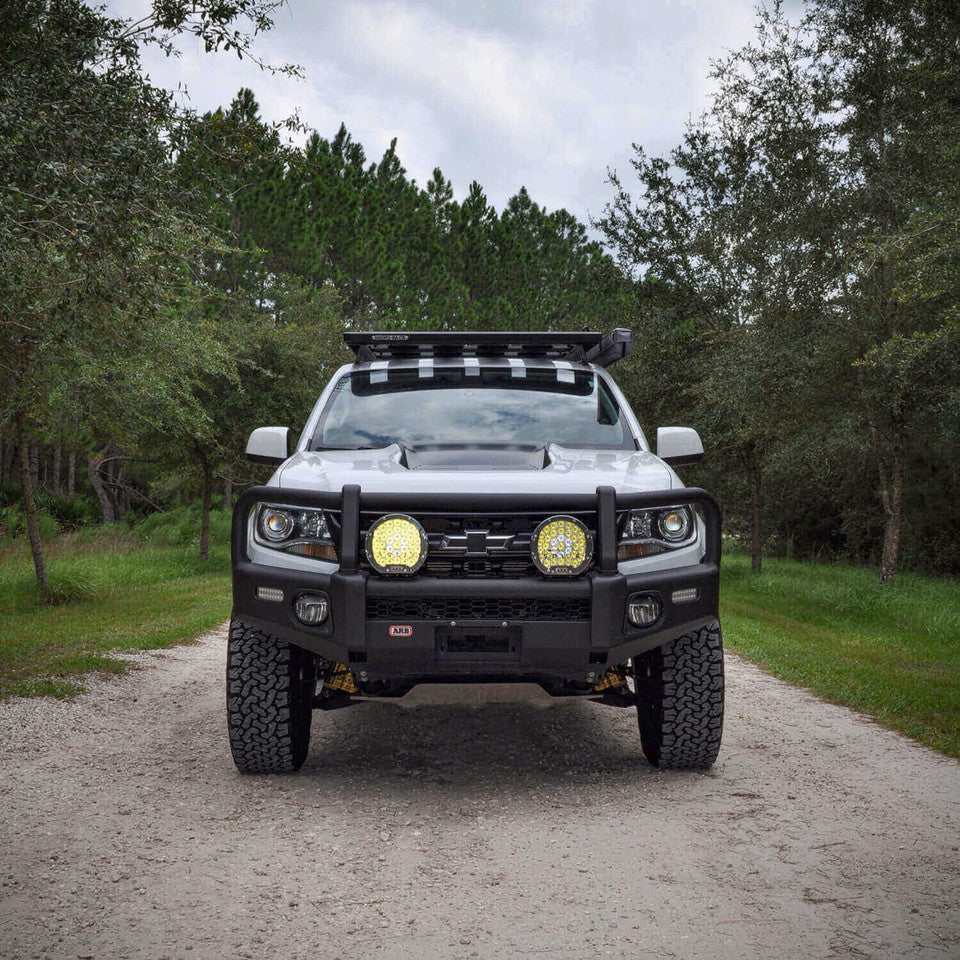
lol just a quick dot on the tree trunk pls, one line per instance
(72, 473)
(55, 473)
(107, 514)
(756, 521)
(6, 448)
(205, 510)
(34, 462)
(753, 472)
(227, 494)
(10, 458)
(72, 459)
(891, 492)
(30, 509)
(121, 502)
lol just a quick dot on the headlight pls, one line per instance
(295, 530)
(562, 547)
(396, 546)
(675, 525)
(647, 532)
(276, 525)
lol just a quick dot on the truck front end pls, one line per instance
(482, 512)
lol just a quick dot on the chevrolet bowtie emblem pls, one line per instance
(477, 542)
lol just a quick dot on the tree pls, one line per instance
(91, 236)
(733, 223)
(82, 224)
(273, 331)
(894, 72)
(402, 255)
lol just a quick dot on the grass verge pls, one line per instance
(116, 595)
(890, 652)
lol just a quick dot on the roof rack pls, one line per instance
(587, 346)
(613, 347)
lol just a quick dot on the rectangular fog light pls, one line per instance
(687, 595)
(269, 593)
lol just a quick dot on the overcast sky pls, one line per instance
(511, 93)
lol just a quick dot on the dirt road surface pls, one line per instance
(460, 831)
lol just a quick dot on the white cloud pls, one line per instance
(502, 84)
(507, 92)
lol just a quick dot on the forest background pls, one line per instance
(791, 271)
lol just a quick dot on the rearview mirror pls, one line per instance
(679, 445)
(268, 445)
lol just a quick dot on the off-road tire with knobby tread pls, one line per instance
(679, 689)
(270, 690)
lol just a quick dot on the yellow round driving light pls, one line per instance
(396, 546)
(562, 547)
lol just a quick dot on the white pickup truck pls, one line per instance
(475, 507)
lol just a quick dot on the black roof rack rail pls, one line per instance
(558, 345)
(613, 347)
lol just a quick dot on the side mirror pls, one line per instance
(268, 445)
(679, 445)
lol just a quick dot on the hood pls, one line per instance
(556, 470)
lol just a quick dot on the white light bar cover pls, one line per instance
(270, 593)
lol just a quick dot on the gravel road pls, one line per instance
(503, 830)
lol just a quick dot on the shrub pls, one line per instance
(49, 527)
(12, 521)
(72, 586)
(9, 494)
(67, 585)
(70, 514)
(181, 527)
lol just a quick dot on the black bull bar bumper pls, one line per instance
(594, 634)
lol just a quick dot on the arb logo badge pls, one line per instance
(401, 630)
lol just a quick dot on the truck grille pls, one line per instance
(476, 608)
(486, 546)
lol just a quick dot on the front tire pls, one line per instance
(270, 689)
(679, 688)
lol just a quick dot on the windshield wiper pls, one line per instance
(334, 446)
(365, 446)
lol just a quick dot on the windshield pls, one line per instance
(485, 405)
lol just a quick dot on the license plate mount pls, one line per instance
(479, 642)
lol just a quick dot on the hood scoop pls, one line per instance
(454, 456)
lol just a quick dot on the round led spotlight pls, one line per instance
(396, 546)
(562, 547)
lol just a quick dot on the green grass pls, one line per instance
(116, 594)
(890, 652)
